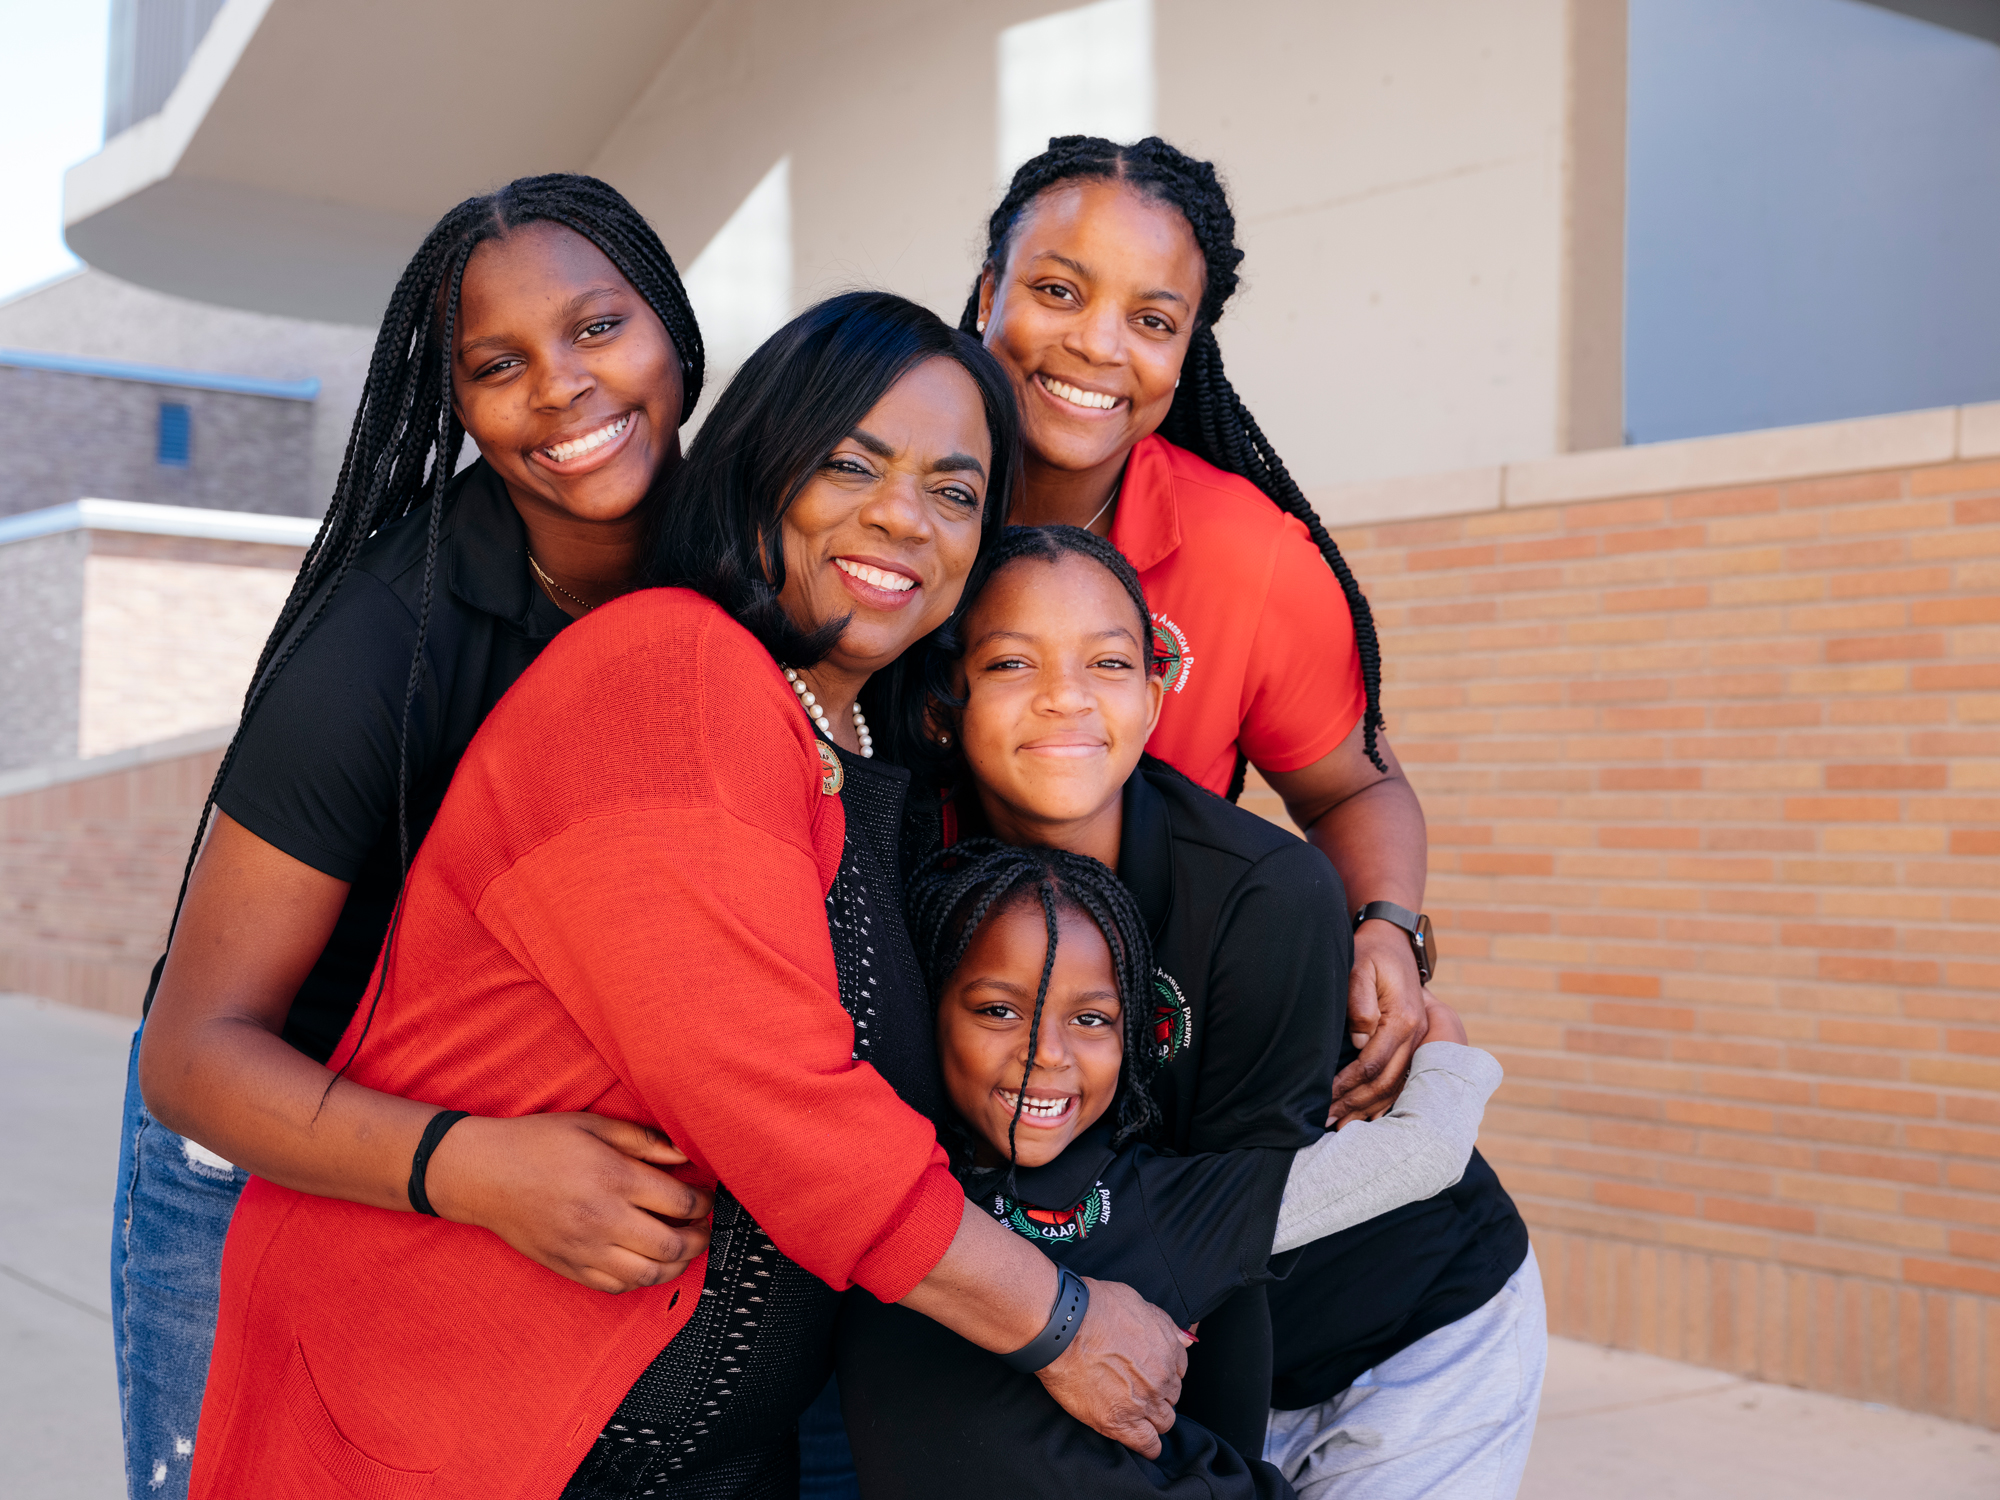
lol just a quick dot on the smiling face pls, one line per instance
(887, 529)
(1091, 315)
(563, 375)
(983, 1025)
(1059, 700)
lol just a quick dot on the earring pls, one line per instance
(982, 325)
(944, 739)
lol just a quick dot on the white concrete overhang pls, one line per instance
(309, 146)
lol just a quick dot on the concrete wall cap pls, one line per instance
(1411, 497)
(57, 773)
(167, 375)
(160, 520)
(1770, 455)
(1979, 431)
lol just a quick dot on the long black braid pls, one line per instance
(406, 438)
(1207, 417)
(957, 889)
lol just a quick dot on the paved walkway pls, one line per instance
(1619, 1426)
(62, 1076)
(1614, 1426)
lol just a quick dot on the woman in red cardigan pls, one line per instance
(625, 906)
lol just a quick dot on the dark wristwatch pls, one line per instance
(1423, 942)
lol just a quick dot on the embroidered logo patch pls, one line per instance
(1173, 1017)
(1056, 1224)
(831, 773)
(1171, 653)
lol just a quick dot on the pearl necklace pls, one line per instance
(818, 714)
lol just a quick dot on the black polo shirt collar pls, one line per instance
(1061, 1184)
(1146, 851)
(489, 555)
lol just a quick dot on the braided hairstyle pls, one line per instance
(406, 437)
(957, 889)
(1048, 544)
(1207, 417)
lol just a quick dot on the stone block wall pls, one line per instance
(68, 437)
(1713, 780)
(41, 647)
(111, 639)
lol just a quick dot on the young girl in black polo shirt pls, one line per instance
(1041, 972)
(1423, 1326)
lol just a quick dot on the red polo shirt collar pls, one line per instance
(1146, 527)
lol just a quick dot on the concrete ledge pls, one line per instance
(1774, 454)
(160, 520)
(1979, 431)
(1893, 442)
(1412, 498)
(167, 375)
(57, 773)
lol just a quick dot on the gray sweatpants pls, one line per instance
(1449, 1418)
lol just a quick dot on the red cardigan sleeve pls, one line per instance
(676, 913)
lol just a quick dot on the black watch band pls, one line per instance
(1423, 942)
(1072, 1301)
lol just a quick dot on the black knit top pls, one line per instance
(715, 1416)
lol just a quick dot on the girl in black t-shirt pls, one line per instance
(1047, 691)
(546, 322)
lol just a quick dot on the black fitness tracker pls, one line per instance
(1423, 942)
(1072, 1301)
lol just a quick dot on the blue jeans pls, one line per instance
(168, 1222)
(826, 1463)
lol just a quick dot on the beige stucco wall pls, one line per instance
(1431, 191)
(1433, 270)
(1434, 274)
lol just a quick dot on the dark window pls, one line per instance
(176, 432)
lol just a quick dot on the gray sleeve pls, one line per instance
(1414, 1152)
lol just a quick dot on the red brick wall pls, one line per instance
(1714, 789)
(1713, 781)
(88, 871)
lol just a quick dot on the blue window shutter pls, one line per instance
(176, 435)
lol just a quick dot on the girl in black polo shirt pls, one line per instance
(546, 322)
(1041, 973)
(1056, 699)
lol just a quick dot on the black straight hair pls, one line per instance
(793, 401)
(403, 447)
(1207, 417)
(957, 889)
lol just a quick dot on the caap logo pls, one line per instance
(1172, 656)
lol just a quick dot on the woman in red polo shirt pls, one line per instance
(1106, 270)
